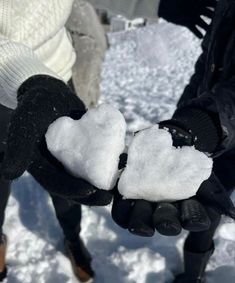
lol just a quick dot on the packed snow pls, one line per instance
(158, 171)
(90, 147)
(144, 74)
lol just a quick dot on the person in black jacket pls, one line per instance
(41, 99)
(205, 118)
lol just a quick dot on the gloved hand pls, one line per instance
(188, 13)
(42, 100)
(143, 217)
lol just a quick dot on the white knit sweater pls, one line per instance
(33, 39)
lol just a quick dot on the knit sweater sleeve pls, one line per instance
(130, 8)
(17, 63)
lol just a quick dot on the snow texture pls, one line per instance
(146, 87)
(158, 171)
(90, 147)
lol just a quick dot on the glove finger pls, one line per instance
(194, 217)
(166, 220)
(141, 223)
(196, 32)
(208, 13)
(121, 210)
(201, 23)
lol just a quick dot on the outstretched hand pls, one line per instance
(143, 218)
(42, 100)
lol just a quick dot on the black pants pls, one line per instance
(68, 214)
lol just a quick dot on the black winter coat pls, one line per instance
(212, 87)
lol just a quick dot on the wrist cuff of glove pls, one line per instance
(38, 81)
(203, 126)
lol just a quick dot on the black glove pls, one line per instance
(42, 100)
(188, 13)
(143, 217)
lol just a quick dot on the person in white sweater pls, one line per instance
(37, 59)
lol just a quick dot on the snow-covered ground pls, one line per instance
(144, 73)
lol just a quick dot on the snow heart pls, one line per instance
(89, 148)
(157, 171)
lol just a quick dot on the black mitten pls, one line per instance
(42, 100)
(188, 13)
(134, 215)
(192, 128)
(143, 217)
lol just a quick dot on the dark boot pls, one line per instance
(195, 265)
(80, 259)
(3, 248)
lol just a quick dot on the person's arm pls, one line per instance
(202, 122)
(17, 63)
(38, 98)
(143, 217)
(210, 115)
(218, 108)
(192, 89)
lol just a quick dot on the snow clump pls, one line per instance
(158, 171)
(89, 148)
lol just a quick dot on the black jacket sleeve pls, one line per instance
(208, 110)
(203, 123)
(192, 89)
(221, 102)
(208, 103)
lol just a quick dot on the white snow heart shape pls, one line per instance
(89, 148)
(157, 171)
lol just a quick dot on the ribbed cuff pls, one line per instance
(18, 63)
(40, 81)
(204, 127)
